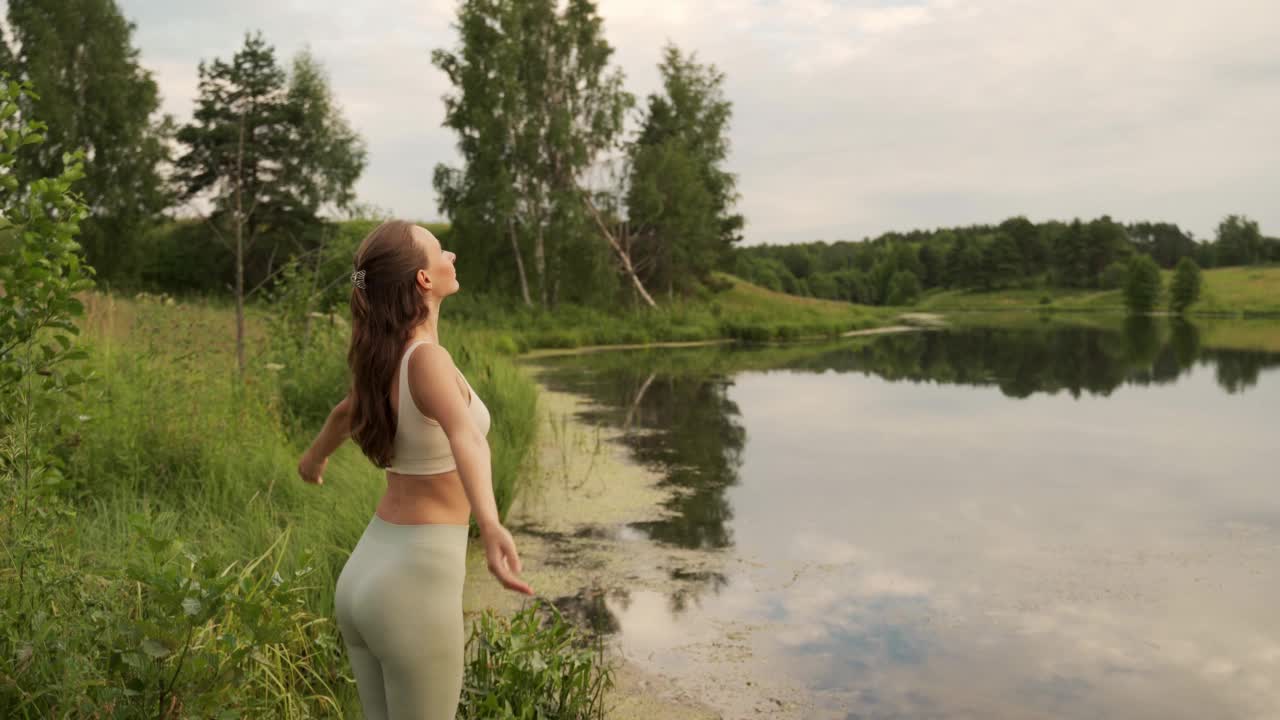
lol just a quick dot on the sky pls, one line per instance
(849, 118)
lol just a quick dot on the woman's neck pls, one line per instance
(429, 329)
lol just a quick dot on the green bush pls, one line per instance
(754, 333)
(633, 335)
(180, 257)
(1113, 276)
(505, 344)
(556, 339)
(528, 667)
(1185, 288)
(1142, 284)
(787, 332)
(688, 334)
(214, 637)
(904, 288)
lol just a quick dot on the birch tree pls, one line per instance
(535, 106)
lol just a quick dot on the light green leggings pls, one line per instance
(399, 606)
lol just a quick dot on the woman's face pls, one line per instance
(441, 276)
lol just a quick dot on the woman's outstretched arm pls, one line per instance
(470, 449)
(336, 430)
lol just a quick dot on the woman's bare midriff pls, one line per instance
(421, 499)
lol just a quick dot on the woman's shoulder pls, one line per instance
(431, 364)
(429, 354)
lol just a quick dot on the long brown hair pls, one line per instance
(383, 316)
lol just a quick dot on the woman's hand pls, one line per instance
(504, 562)
(311, 469)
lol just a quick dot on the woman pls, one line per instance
(398, 599)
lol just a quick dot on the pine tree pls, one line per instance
(268, 151)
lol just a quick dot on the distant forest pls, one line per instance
(896, 267)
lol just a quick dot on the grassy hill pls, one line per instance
(741, 310)
(1229, 291)
(747, 301)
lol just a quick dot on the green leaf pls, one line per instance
(154, 648)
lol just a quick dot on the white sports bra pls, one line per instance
(420, 446)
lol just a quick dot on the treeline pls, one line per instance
(268, 162)
(895, 268)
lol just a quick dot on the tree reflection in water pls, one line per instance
(674, 405)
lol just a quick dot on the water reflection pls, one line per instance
(918, 547)
(678, 417)
(1023, 362)
(686, 426)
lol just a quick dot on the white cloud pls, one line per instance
(852, 118)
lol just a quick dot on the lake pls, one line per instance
(1043, 520)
